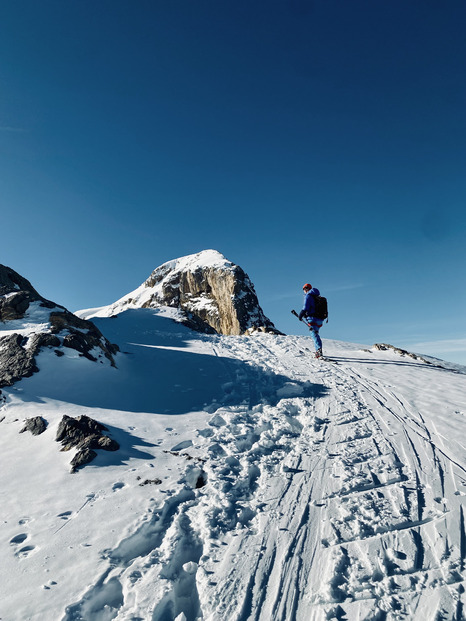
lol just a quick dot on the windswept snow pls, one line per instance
(254, 483)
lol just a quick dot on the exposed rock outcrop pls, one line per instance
(82, 335)
(16, 295)
(29, 322)
(401, 352)
(35, 425)
(82, 457)
(17, 360)
(213, 295)
(85, 434)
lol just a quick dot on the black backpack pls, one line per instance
(321, 310)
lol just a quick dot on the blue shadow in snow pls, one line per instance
(151, 378)
(129, 449)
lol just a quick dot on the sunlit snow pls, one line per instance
(252, 482)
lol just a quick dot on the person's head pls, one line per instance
(307, 287)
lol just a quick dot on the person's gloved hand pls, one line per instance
(301, 315)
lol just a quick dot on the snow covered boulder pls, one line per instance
(210, 293)
(29, 322)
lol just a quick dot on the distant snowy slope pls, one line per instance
(209, 293)
(253, 483)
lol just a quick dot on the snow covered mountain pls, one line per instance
(209, 293)
(252, 481)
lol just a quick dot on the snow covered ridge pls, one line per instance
(211, 294)
(29, 322)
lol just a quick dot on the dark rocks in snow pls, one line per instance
(397, 350)
(16, 294)
(35, 425)
(18, 353)
(14, 307)
(15, 361)
(71, 431)
(11, 281)
(156, 481)
(107, 444)
(82, 335)
(96, 441)
(85, 434)
(82, 457)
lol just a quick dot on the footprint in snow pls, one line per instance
(65, 515)
(25, 551)
(135, 576)
(117, 486)
(217, 421)
(24, 520)
(205, 433)
(182, 445)
(18, 539)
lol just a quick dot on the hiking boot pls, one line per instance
(319, 353)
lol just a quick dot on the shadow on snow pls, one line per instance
(158, 373)
(400, 363)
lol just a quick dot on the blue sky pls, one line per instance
(308, 141)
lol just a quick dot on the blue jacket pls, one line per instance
(309, 303)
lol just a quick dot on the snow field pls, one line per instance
(301, 489)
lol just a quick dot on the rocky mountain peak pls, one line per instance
(16, 294)
(212, 293)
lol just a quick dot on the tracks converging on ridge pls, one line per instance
(326, 497)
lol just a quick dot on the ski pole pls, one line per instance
(293, 312)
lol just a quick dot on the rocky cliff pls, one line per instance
(211, 293)
(29, 322)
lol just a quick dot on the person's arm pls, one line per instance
(308, 306)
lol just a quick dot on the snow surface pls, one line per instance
(252, 482)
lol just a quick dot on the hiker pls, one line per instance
(308, 314)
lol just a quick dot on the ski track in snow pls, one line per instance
(330, 497)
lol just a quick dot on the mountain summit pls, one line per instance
(212, 295)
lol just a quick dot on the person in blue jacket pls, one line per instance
(307, 314)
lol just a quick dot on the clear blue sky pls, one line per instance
(316, 141)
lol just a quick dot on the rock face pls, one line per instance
(85, 434)
(17, 360)
(35, 425)
(29, 322)
(213, 294)
(16, 295)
